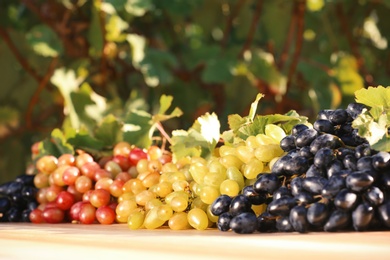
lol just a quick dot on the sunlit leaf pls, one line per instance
(44, 41)
(374, 96)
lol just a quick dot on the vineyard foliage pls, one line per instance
(97, 72)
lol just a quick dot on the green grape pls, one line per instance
(179, 203)
(152, 221)
(171, 177)
(196, 188)
(198, 171)
(275, 132)
(266, 153)
(244, 153)
(252, 142)
(210, 215)
(265, 139)
(142, 166)
(258, 209)
(253, 168)
(272, 162)
(153, 203)
(179, 221)
(233, 173)
(215, 166)
(164, 212)
(169, 167)
(231, 161)
(124, 208)
(214, 179)
(170, 196)
(144, 196)
(208, 194)
(180, 185)
(136, 219)
(198, 219)
(163, 189)
(226, 150)
(229, 187)
(198, 203)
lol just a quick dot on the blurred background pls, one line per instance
(69, 63)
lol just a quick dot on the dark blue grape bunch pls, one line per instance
(18, 199)
(328, 180)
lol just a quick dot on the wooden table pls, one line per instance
(114, 242)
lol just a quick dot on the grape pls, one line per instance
(324, 125)
(287, 143)
(221, 205)
(317, 213)
(305, 137)
(281, 206)
(198, 219)
(374, 196)
(359, 181)
(254, 197)
(5, 204)
(334, 185)
(381, 161)
(384, 213)
(152, 221)
(179, 221)
(296, 165)
(136, 220)
(283, 224)
(99, 198)
(298, 128)
(362, 216)
(229, 187)
(239, 204)
(266, 183)
(244, 223)
(346, 200)
(338, 116)
(338, 220)
(315, 171)
(36, 216)
(65, 200)
(304, 198)
(223, 223)
(87, 214)
(282, 191)
(298, 219)
(314, 185)
(53, 215)
(323, 157)
(105, 215)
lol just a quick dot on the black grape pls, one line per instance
(220, 205)
(298, 219)
(362, 216)
(223, 222)
(244, 223)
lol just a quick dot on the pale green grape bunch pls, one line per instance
(179, 194)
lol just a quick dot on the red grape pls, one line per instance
(137, 154)
(36, 216)
(87, 213)
(100, 198)
(105, 215)
(53, 215)
(65, 200)
(70, 175)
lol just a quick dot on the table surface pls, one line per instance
(76, 241)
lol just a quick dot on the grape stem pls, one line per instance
(163, 133)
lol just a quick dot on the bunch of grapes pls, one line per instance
(328, 179)
(179, 194)
(17, 199)
(76, 188)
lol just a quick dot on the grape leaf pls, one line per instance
(137, 128)
(44, 41)
(55, 145)
(374, 96)
(165, 104)
(200, 139)
(373, 123)
(108, 131)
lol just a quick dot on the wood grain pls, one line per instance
(74, 241)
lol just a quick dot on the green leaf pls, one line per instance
(86, 142)
(218, 69)
(200, 139)
(156, 67)
(55, 145)
(109, 130)
(165, 104)
(95, 34)
(374, 96)
(44, 41)
(286, 122)
(253, 110)
(138, 7)
(137, 128)
(114, 29)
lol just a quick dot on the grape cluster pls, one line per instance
(329, 179)
(17, 199)
(80, 189)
